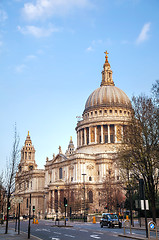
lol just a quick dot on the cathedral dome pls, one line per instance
(107, 96)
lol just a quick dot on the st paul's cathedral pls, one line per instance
(87, 176)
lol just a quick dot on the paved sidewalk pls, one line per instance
(12, 235)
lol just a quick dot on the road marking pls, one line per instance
(43, 229)
(57, 233)
(98, 233)
(55, 238)
(95, 236)
(69, 235)
(83, 231)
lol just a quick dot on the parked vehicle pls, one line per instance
(110, 220)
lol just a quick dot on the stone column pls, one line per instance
(78, 139)
(81, 137)
(122, 132)
(101, 134)
(108, 133)
(37, 185)
(76, 172)
(49, 200)
(85, 137)
(115, 126)
(95, 132)
(53, 200)
(89, 135)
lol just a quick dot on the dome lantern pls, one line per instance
(107, 73)
(107, 95)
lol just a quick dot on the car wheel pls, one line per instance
(101, 225)
(112, 225)
(109, 225)
(120, 225)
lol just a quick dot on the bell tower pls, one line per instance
(27, 161)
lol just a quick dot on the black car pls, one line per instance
(110, 220)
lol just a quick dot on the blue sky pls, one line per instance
(51, 58)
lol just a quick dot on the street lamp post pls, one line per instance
(57, 219)
(29, 218)
(84, 197)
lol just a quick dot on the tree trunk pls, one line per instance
(6, 231)
(153, 206)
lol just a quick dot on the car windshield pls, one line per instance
(113, 216)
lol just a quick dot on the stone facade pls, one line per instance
(87, 176)
(30, 181)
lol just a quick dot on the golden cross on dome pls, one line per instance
(106, 56)
(28, 133)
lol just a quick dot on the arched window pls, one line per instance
(90, 178)
(90, 196)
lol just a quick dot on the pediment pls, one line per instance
(90, 166)
(60, 158)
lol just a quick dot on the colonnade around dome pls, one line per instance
(100, 134)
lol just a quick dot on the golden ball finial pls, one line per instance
(106, 56)
(28, 133)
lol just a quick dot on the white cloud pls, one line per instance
(95, 43)
(89, 49)
(144, 33)
(20, 68)
(3, 16)
(37, 31)
(46, 8)
(30, 57)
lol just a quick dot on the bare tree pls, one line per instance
(11, 172)
(139, 153)
(111, 194)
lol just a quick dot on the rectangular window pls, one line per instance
(106, 138)
(60, 173)
(112, 138)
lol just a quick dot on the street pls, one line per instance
(48, 231)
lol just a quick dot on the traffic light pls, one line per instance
(33, 208)
(65, 202)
